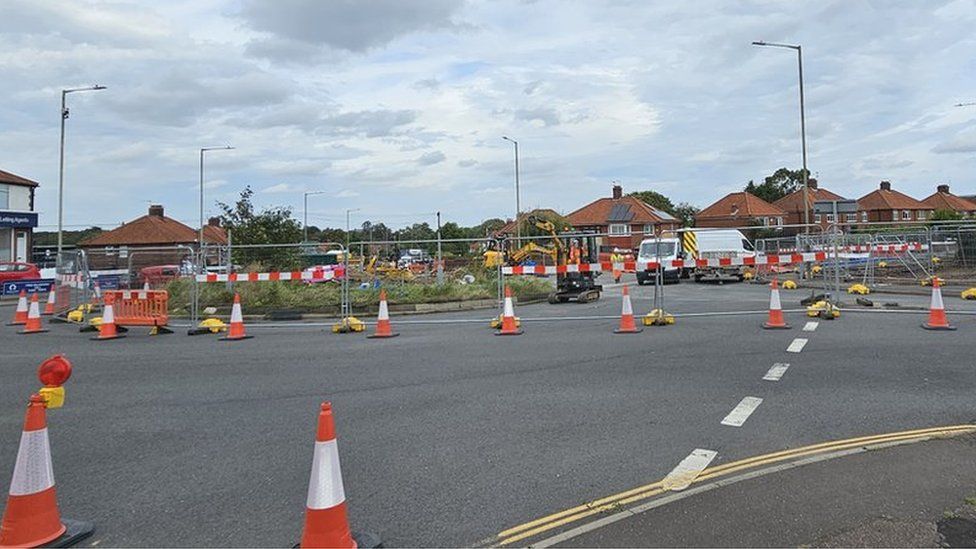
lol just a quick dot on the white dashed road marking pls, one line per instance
(776, 372)
(689, 469)
(741, 413)
(797, 345)
(810, 326)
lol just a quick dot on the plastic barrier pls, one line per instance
(141, 307)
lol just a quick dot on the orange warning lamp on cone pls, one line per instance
(53, 373)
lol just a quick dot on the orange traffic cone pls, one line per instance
(98, 294)
(236, 330)
(383, 328)
(509, 326)
(33, 325)
(20, 314)
(326, 522)
(31, 517)
(51, 302)
(776, 320)
(108, 329)
(627, 324)
(937, 315)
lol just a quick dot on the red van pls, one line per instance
(158, 274)
(19, 271)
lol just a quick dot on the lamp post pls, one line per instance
(440, 256)
(305, 214)
(803, 126)
(64, 116)
(203, 150)
(518, 197)
(346, 308)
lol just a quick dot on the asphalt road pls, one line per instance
(448, 434)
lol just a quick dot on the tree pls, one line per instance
(655, 199)
(946, 215)
(686, 213)
(269, 226)
(781, 183)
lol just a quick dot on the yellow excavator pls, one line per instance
(573, 248)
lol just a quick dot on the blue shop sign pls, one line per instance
(40, 286)
(18, 220)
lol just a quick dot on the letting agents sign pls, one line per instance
(17, 219)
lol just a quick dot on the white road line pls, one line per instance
(741, 413)
(810, 326)
(776, 372)
(797, 345)
(688, 470)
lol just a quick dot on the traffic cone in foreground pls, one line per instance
(31, 517)
(33, 325)
(627, 324)
(383, 328)
(937, 315)
(326, 522)
(236, 330)
(20, 314)
(51, 302)
(509, 325)
(776, 320)
(108, 329)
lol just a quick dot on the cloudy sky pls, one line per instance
(397, 107)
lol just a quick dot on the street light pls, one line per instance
(970, 104)
(64, 116)
(203, 150)
(305, 214)
(803, 126)
(518, 198)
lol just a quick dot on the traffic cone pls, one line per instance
(383, 328)
(33, 325)
(627, 324)
(326, 521)
(20, 314)
(509, 326)
(937, 315)
(776, 320)
(108, 329)
(51, 301)
(31, 517)
(236, 330)
(98, 293)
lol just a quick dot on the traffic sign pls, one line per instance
(39, 286)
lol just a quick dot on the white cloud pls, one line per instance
(279, 188)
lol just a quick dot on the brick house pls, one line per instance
(147, 241)
(626, 219)
(942, 199)
(884, 205)
(740, 209)
(792, 204)
(17, 217)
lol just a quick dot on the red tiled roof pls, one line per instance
(882, 199)
(597, 213)
(12, 179)
(949, 201)
(793, 202)
(155, 230)
(746, 206)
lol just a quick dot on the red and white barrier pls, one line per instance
(316, 275)
(768, 259)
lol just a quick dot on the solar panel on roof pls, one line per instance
(620, 212)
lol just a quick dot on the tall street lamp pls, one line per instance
(803, 126)
(305, 214)
(518, 198)
(64, 116)
(203, 150)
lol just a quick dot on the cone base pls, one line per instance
(934, 328)
(381, 336)
(39, 331)
(515, 333)
(628, 331)
(236, 338)
(364, 540)
(101, 338)
(75, 531)
(768, 326)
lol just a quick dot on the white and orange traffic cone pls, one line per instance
(107, 329)
(509, 324)
(383, 328)
(236, 330)
(98, 294)
(627, 324)
(31, 518)
(326, 520)
(776, 320)
(20, 314)
(52, 299)
(937, 314)
(33, 325)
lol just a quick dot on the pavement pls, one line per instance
(449, 435)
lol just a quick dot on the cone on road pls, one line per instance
(937, 314)
(627, 324)
(98, 294)
(51, 302)
(33, 325)
(107, 329)
(383, 328)
(776, 320)
(326, 520)
(236, 330)
(31, 517)
(509, 325)
(20, 314)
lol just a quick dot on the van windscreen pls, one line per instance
(657, 249)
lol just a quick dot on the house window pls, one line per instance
(830, 218)
(648, 228)
(779, 220)
(4, 196)
(852, 218)
(906, 215)
(894, 215)
(619, 229)
(864, 217)
(921, 215)
(817, 218)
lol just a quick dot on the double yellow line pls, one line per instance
(618, 501)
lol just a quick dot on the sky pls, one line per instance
(397, 108)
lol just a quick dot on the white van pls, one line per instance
(659, 250)
(691, 244)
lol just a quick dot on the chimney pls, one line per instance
(618, 192)
(812, 183)
(214, 222)
(943, 189)
(885, 185)
(156, 210)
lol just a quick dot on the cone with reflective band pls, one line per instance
(627, 324)
(776, 320)
(33, 325)
(236, 330)
(383, 328)
(509, 325)
(108, 329)
(20, 314)
(51, 301)
(937, 314)
(98, 293)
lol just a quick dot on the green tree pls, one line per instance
(946, 215)
(781, 183)
(686, 213)
(655, 199)
(269, 226)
